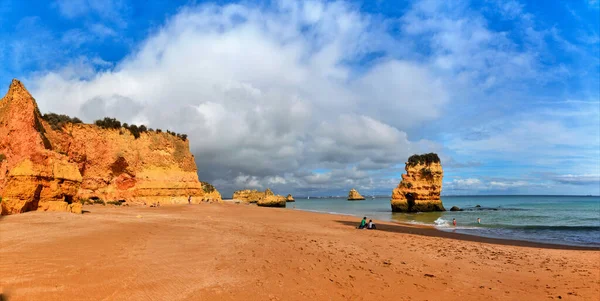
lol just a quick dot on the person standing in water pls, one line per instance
(478, 220)
(454, 222)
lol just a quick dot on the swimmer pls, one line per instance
(478, 220)
(454, 222)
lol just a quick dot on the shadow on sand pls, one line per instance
(432, 232)
(3, 297)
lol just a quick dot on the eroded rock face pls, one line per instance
(353, 195)
(43, 182)
(420, 188)
(248, 196)
(289, 198)
(272, 201)
(262, 198)
(211, 194)
(80, 161)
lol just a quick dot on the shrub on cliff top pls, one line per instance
(423, 159)
(208, 188)
(2, 157)
(135, 130)
(108, 123)
(57, 121)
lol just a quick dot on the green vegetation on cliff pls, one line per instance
(57, 121)
(208, 188)
(423, 159)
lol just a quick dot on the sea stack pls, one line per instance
(353, 195)
(420, 188)
(289, 198)
(54, 162)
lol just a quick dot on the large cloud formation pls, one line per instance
(265, 94)
(316, 97)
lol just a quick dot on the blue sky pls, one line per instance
(317, 97)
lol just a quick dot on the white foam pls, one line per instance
(441, 223)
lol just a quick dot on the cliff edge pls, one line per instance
(47, 166)
(420, 188)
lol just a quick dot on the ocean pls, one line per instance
(565, 220)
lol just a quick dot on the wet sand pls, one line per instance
(241, 252)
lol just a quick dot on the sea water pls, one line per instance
(568, 220)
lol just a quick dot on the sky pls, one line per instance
(317, 97)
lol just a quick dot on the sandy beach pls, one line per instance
(243, 252)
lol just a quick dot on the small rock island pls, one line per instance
(353, 195)
(420, 188)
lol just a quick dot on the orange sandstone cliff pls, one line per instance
(250, 196)
(420, 188)
(42, 168)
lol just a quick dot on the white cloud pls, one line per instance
(263, 93)
(583, 179)
(72, 8)
(560, 136)
(507, 185)
(469, 184)
(267, 94)
(109, 10)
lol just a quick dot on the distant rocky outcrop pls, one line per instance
(249, 196)
(262, 198)
(455, 208)
(353, 195)
(420, 188)
(57, 163)
(289, 198)
(272, 201)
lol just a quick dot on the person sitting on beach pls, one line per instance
(363, 223)
(371, 226)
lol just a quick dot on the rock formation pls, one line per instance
(211, 194)
(420, 188)
(353, 195)
(50, 167)
(265, 199)
(249, 196)
(289, 198)
(272, 201)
